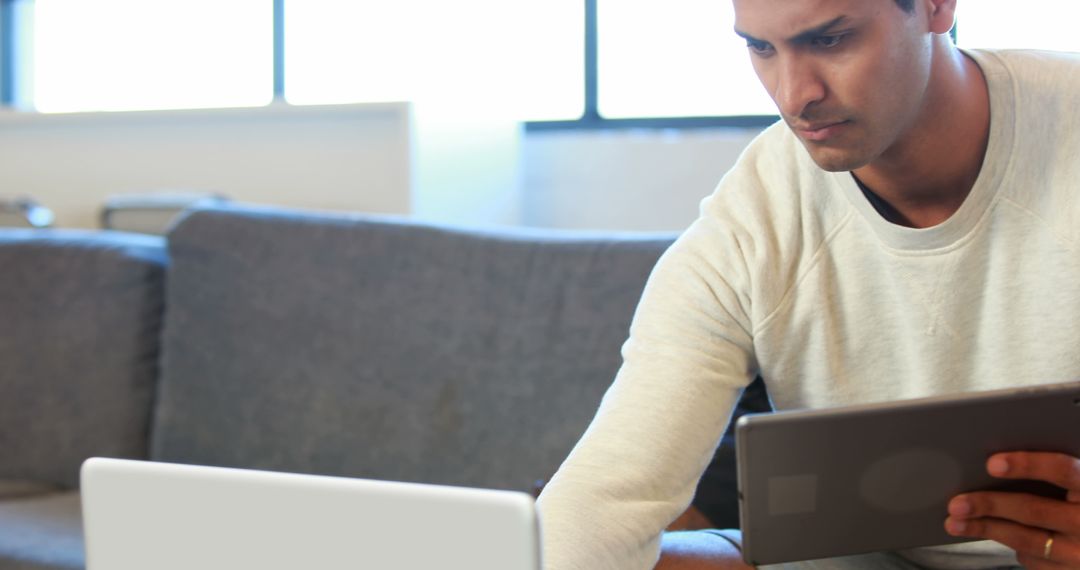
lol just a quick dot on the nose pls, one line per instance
(798, 86)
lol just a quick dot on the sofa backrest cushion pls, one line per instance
(80, 317)
(381, 348)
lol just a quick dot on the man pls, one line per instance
(913, 229)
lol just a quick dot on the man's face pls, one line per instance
(848, 76)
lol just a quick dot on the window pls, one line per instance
(520, 58)
(111, 55)
(575, 62)
(674, 59)
(1031, 24)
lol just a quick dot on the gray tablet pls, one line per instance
(825, 483)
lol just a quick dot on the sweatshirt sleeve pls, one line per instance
(688, 356)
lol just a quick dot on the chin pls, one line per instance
(836, 160)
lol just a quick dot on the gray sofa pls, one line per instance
(314, 343)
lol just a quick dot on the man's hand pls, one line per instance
(1045, 533)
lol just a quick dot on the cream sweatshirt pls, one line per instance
(789, 272)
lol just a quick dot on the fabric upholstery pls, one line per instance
(19, 488)
(367, 347)
(41, 533)
(81, 313)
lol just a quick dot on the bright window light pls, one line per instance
(524, 58)
(119, 55)
(675, 58)
(1009, 24)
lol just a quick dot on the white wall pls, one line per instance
(467, 165)
(384, 158)
(365, 157)
(332, 158)
(624, 180)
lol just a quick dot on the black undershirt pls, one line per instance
(881, 206)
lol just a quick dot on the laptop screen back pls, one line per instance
(140, 515)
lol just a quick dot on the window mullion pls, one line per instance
(7, 54)
(592, 111)
(279, 50)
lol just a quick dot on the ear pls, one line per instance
(941, 14)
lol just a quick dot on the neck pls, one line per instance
(926, 175)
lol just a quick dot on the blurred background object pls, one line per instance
(24, 212)
(153, 212)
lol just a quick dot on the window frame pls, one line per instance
(279, 50)
(7, 53)
(591, 119)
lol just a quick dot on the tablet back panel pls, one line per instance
(824, 483)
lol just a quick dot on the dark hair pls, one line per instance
(906, 5)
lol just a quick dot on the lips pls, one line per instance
(820, 132)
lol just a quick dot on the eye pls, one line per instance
(828, 42)
(759, 47)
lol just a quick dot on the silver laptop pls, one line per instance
(825, 483)
(141, 515)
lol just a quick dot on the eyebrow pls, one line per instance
(803, 36)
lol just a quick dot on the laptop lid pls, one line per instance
(140, 515)
(841, 481)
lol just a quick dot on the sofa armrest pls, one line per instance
(78, 348)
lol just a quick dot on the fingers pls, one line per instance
(1056, 468)
(1023, 539)
(1028, 510)
(1038, 563)
(1044, 532)
(1026, 541)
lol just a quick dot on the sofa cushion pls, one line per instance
(19, 488)
(78, 348)
(41, 533)
(379, 348)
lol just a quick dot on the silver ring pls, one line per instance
(1049, 546)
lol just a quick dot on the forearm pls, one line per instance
(637, 466)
